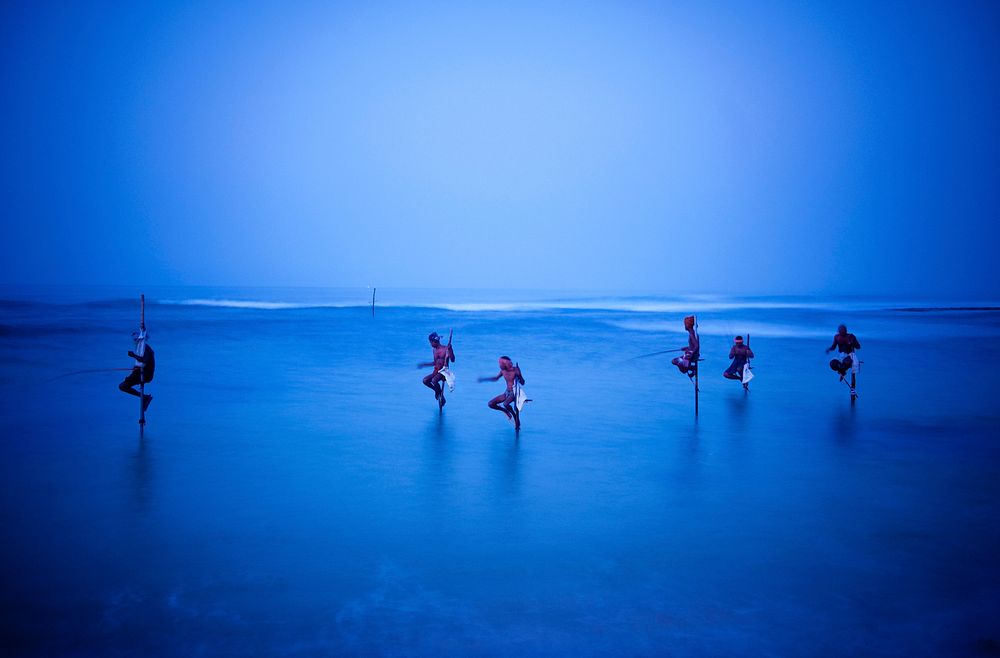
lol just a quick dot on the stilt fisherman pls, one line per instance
(688, 363)
(142, 371)
(739, 353)
(846, 344)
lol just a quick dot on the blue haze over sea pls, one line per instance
(297, 493)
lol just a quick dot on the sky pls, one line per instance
(673, 147)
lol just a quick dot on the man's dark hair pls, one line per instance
(508, 358)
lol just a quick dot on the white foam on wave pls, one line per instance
(685, 306)
(883, 330)
(617, 305)
(723, 328)
(239, 303)
(632, 306)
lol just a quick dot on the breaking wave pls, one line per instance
(625, 305)
(617, 305)
(246, 304)
(725, 328)
(637, 304)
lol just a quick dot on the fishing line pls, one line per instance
(83, 372)
(643, 356)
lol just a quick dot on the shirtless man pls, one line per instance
(511, 372)
(443, 355)
(845, 344)
(739, 353)
(688, 363)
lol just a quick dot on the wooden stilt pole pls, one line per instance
(696, 391)
(373, 302)
(142, 373)
(746, 385)
(697, 368)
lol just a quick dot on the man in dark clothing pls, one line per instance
(142, 371)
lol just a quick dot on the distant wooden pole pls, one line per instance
(142, 368)
(373, 302)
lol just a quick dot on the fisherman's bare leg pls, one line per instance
(510, 407)
(132, 380)
(495, 404)
(433, 382)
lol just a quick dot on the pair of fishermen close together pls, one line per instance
(688, 362)
(510, 402)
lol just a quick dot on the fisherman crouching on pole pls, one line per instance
(142, 371)
(846, 344)
(739, 353)
(688, 363)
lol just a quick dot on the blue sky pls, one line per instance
(685, 147)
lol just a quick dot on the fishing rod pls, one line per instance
(643, 356)
(83, 372)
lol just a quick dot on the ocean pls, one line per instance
(296, 492)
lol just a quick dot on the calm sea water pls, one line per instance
(297, 493)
